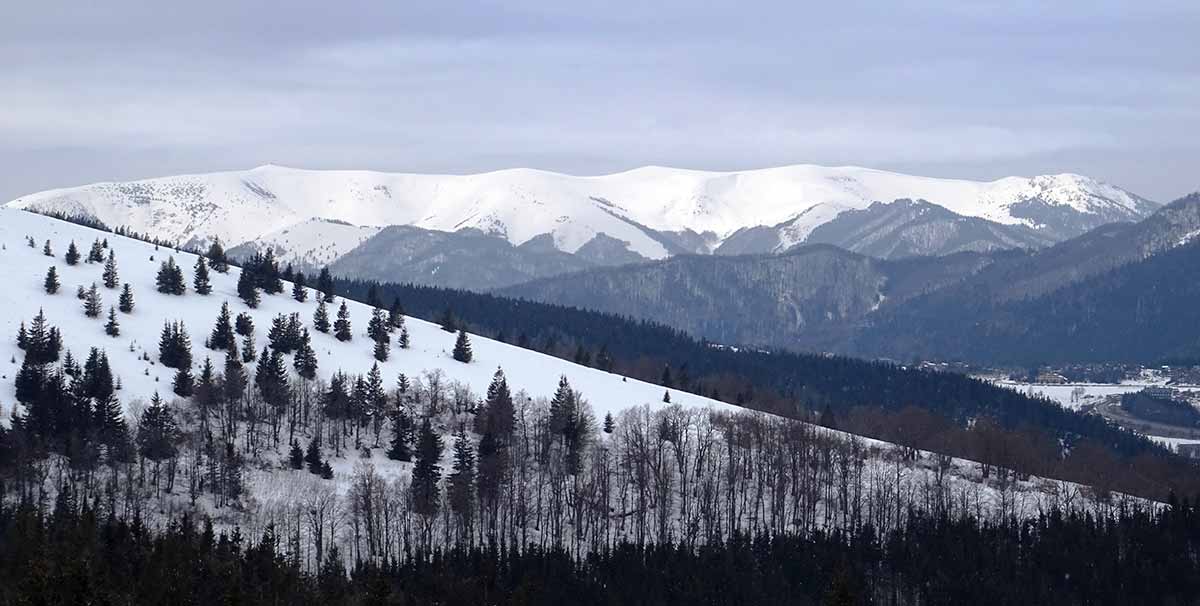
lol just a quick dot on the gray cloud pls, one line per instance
(120, 90)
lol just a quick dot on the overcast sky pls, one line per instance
(115, 90)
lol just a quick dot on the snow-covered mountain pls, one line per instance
(652, 212)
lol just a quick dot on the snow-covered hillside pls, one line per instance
(23, 269)
(635, 207)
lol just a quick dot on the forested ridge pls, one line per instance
(74, 556)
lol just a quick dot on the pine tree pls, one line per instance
(426, 473)
(249, 353)
(184, 385)
(235, 378)
(403, 339)
(51, 283)
(462, 348)
(396, 314)
(72, 257)
(609, 425)
(499, 415)
(247, 289)
(125, 304)
(321, 317)
(200, 280)
(341, 327)
(462, 479)
(296, 456)
(112, 328)
(244, 324)
(270, 376)
(299, 288)
(305, 361)
(170, 278)
(667, 397)
(399, 449)
(222, 337)
(96, 254)
(216, 257)
(268, 274)
(46, 250)
(312, 457)
(377, 326)
(110, 271)
(325, 284)
(175, 346)
(381, 350)
(92, 305)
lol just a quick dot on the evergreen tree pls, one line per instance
(235, 378)
(299, 288)
(426, 473)
(216, 257)
(175, 346)
(462, 479)
(222, 337)
(72, 257)
(96, 254)
(396, 314)
(341, 327)
(448, 322)
(112, 328)
(325, 284)
(321, 317)
(667, 397)
(268, 274)
(381, 350)
(200, 280)
(125, 303)
(296, 456)
(157, 433)
(305, 361)
(46, 250)
(248, 349)
(92, 305)
(399, 449)
(499, 415)
(169, 280)
(184, 384)
(51, 283)
(609, 425)
(377, 326)
(244, 324)
(270, 377)
(403, 339)
(313, 457)
(247, 289)
(110, 271)
(462, 348)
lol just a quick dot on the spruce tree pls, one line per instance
(169, 280)
(305, 361)
(399, 449)
(125, 303)
(96, 254)
(381, 350)
(110, 271)
(609, 425)
(321, 317)
(341, 327)
(377, 326)
(325, 284)
(235, 378)
(92, 305)
(296, 456)
(112, 328)
(51, 283)
(462, 479)
(396, 314)
(216, 257)
(247, 289)
(222, 337)
(462, 348)
(402, 340)
(184, 384)
(312, 457)
(299, 288)
(200, 280)
(46, 250)
(72, 257)
(426, 473)
(244, 324)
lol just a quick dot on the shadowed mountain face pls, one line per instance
(798, 299)
(1058, 303)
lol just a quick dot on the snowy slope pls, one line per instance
(22, 270)
(521, 204)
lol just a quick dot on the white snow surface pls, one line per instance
(23, 269)
(519, 204)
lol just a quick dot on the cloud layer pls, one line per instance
(978, 90)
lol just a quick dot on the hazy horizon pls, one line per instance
(981, 91)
